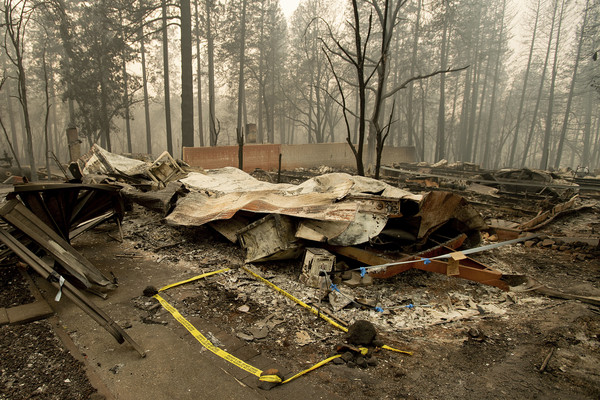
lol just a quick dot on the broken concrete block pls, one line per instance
(338, 300)
(548, 242)
(529, 243)
(259, 333)
(357, 280)
(244, 336)
(347, 275)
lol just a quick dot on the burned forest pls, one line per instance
(299, 199)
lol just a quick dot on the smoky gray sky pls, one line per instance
(288, 6)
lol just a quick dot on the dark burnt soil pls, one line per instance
(34, 362)
(14, 288)
(488, 357)
(35, 365)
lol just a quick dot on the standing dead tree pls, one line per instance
(12, 150)
(16, 15)
(366, 67)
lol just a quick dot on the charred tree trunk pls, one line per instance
(241, 94)
(187, 77)
(563, 131)
(488, 134)
(165, 47)
(440, 143)
(540, 90)
(212, 118)
(199, 76)
(145, 87)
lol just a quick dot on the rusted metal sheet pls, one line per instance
(546, 217)
(99, 161)
(361, 229)
(439, 208)
(505, 230)
(336, 208)
(161, 201)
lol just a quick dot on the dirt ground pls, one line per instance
(468, 340)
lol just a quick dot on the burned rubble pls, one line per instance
(358, 251)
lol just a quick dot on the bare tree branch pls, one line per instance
(421, 77)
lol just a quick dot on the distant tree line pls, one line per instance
(463, 80)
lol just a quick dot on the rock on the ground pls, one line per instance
(361, 332)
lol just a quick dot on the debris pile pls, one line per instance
(347, 239)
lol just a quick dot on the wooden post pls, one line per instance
(74, 144)
(279, 170)
(240, 140)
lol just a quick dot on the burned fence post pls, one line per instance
(74, 144)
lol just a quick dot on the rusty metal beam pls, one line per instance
(468, 268)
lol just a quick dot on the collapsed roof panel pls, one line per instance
(336, 208)
(100, 161)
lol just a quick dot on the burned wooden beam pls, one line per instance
(21, 218)
(68, 289)
(71, 208)
(467, 268)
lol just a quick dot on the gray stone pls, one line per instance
(339, 361)
(347, 356)
(259, 333)
(361, 362)
(244, 336)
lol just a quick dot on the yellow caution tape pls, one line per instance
(204, 341)
(222, 353)
(317, 365)
(236, 361)
(410, 353)
(195, 278)
(298, 301)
